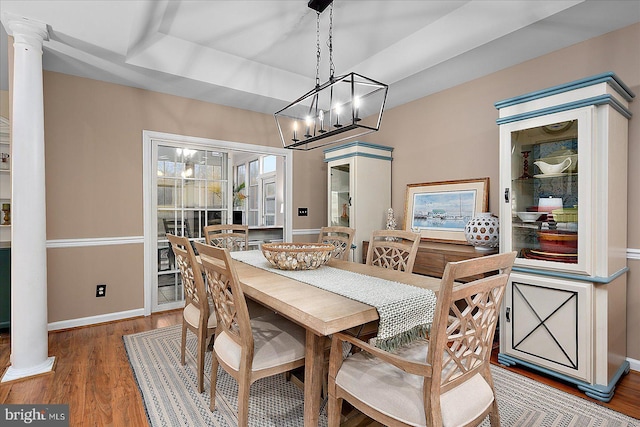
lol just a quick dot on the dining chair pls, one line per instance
(234, 237)
(394, 249)
(340, 237)
(197, 316)
(246, 348)
(443, 381)
(255, 308)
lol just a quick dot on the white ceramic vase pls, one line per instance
(483, 231)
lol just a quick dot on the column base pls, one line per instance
(13, 374)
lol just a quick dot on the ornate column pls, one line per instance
(29, 335)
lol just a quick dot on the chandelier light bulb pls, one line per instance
(356, 109)
(321, 117)
(337, 110)
(295, 132)
(308, 121)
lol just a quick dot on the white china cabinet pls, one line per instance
(359, 188)
(563, 157)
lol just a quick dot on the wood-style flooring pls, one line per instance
(93, 376)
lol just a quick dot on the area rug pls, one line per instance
(171, 398)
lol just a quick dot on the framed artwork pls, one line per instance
(439, 211)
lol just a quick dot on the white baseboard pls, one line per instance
(86, 321)
(634, 364)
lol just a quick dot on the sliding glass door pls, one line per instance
(192, 188)
(194, 182)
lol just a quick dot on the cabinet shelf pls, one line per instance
(532, 179)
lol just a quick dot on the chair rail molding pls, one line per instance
(94, 241)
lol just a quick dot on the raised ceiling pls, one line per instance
(260, 55)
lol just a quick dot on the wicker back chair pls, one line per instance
(443, 381)
(196, 315)
(247, 348)
(234, 237)
(340, 237)
(394, 249)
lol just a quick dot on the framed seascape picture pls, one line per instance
(439, 211)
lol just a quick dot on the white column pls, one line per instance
(29, 336)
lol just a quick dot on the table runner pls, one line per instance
(405, 311)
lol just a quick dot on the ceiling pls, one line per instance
(260, 55)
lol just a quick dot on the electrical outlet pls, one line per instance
(101, 291)
(303, 211)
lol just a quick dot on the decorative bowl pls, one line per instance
(558, 241)
(529, 216)
(565, 214)
(297, 256)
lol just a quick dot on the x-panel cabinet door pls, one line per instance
(547, 321)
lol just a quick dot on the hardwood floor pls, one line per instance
(93, 376)
(92, 373)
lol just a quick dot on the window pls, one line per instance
(268, 164)
(253, 214)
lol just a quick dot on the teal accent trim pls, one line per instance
(358, 144)
(593, 279)
(596, 100)
(595, 391)
(605, 393)
(608, 77)
(348, 155)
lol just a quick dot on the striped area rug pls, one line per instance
(170, 394)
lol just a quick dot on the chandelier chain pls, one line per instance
(317, 49)
(331, 66)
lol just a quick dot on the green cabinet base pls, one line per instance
(5, 287)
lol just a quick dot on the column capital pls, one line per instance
(24, 30)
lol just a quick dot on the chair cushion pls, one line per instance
(399, 394)
(276, 341)
(192, 315)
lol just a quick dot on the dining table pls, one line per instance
(320, 312)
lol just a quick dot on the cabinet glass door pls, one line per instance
(339, 195)
(542, 203)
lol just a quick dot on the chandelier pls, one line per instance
(342, 108)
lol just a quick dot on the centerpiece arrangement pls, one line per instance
(297, 256)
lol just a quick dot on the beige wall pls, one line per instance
(93, 143)
(4, 104)
(453, 134)
(93, 133)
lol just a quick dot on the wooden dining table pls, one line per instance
(320, 312)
